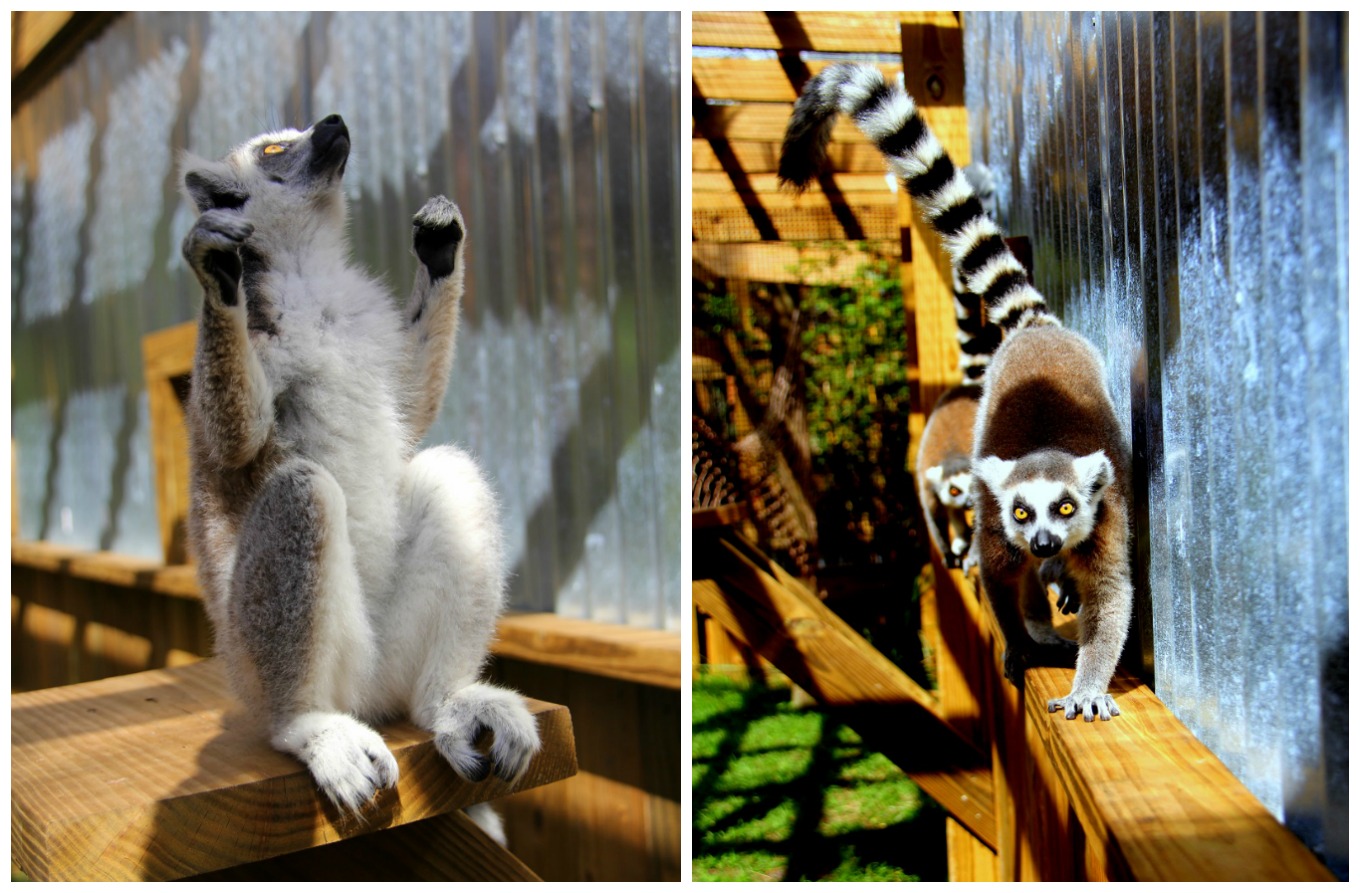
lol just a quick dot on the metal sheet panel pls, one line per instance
(557, 133)
(1183, 177)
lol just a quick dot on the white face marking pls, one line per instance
(1032, 507)
(956, 492)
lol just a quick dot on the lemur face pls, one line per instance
(1048, 500)
(310, 161)
(954, 491)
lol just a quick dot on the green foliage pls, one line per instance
(788, 794)
(854, 351)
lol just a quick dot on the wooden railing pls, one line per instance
(1030, 795)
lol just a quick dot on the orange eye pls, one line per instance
(1066, 509)
(954, 491)
(273, 149)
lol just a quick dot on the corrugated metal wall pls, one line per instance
(1183, 179)
(557, 133)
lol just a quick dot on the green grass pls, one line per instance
(787, 794)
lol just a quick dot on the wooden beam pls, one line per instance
(772, 612)
(1155, 804)
(645, 656)
(158, 775)
(443, 848)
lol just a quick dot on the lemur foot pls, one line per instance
(213, 250)
(480, 707)
(438, 233)
(1014, 661)
(1089, 706)
(348, 760)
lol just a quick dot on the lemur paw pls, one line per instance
(478, 708)
(439, 231)
(213, 250)
(1089, 706)
(348, 760)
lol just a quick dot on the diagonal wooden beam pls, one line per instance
(778, 617)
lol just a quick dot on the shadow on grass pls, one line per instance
(819, 807)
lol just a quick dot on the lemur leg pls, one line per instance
(231, 397)
(297, 612)
(448, 595)
(960, 535)
(1039, 618)
(432, 311)
(1010, 595)
(1106, 609)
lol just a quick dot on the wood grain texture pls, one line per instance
(167, 361)
(646, 656)
(969, 858)
(756, 80)
(158, 775)
(844, 32)
(618, 818)
(442, 848)
(1155, 803)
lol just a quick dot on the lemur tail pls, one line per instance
(978, 338)
(888, 117)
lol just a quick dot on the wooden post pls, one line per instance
(932, 65)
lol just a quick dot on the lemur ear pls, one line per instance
(1094, 472)
(993, 471)
(935, 474)
(210, 190)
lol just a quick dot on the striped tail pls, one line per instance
(889, 118)
(978, 339)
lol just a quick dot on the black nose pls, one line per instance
(1045, 545)
(330, 144)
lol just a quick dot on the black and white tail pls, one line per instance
(978, 338)
(889, 118)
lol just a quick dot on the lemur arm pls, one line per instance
(432, 311)
(231, 398)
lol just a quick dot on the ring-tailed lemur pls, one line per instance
(1047, 447)
(944, 477)
(348, 577)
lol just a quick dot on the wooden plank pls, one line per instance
(756, 80)
(645, 656)
(129, 571)
(168, 358)
(1155, 802)
(442, 848)
(969, 858)
(618, 818)
(843, 32)
(31, 32)
(158, 775)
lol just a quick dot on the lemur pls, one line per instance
(1050, 460)
(348, 577)
(944, 478)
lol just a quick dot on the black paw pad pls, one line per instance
(438, 233)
